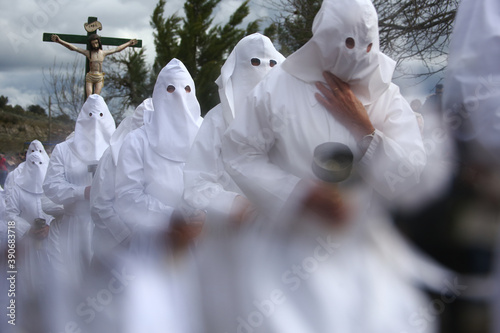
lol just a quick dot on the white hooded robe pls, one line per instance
(110, 230)
(23, 206)
(70, 171)
(149, 181)
(209, 187)
(303, 277)
(149, 188)
(471, 96)
(35, 145)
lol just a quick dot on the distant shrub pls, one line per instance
(18, 109)
(37, 109)
(9, 118)
(63, 118)
(3, 101)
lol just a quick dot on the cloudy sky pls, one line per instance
(23, 55)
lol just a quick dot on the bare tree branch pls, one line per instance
(410, 30)
(64, 83)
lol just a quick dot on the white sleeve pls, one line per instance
(102, 197)
(134, 206)
(247, 161)
(49, 207)
(9, 182)
(55, 185)
(204, 175)
(13, 212)
(396, 157)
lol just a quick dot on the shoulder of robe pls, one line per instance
(391, 98)
(60, 147)
(277, 79)
(137, 137)
(214, 117)
(275, 85)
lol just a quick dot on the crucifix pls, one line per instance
(94, 79)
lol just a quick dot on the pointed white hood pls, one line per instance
(93, 130)
(176, 117)
(127, 125)
(239, 74)
(33, 173)
(367, 70)
(36, 145)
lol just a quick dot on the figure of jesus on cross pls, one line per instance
(94, 79)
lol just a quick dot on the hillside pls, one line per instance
(17, 129)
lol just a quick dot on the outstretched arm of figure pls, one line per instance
(57, 39)
(120, 48)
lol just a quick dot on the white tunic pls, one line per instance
(65, 184)
(24, 207)
(470, 93)
(70, 171)
(148, 186)
(207, 184)
(149, 181)
(471, 97)
(280, 135)
(109, 229)
(9, 180)
(349, 286)
(209, 187)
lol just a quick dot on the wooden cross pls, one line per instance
(81, 39)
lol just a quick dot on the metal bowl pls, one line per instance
(332, 162)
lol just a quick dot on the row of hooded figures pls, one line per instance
(267, 215)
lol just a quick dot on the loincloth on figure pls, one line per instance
(94, 77)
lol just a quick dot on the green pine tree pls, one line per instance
(129, 79)
(293, 26)
(198, 43)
